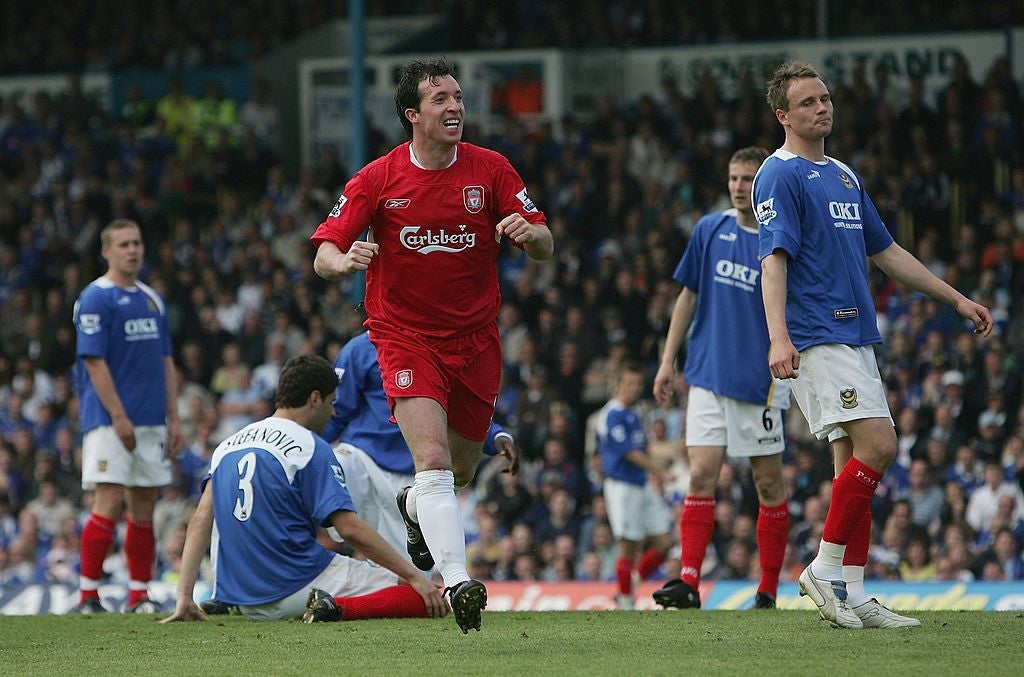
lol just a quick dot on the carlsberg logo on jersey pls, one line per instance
(436, 241)
(736, 274)
(141, 329)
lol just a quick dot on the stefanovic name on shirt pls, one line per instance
(273, 437)
(412, 238)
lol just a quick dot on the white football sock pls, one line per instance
(854, 577)
(441, 524)
(828, 565)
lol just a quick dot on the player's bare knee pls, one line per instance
(770, 489)
(886, 455)
(702, 482)
(432, 456)
(878, 457)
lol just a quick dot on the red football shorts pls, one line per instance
(462, 374)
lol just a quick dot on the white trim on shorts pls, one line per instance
(634, 512)
(106, 461)
(743, 428)
(839, 383)
(342, 577)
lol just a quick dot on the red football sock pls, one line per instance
(649, 563)
(140, 551)
(97, 535)
(772, 535)
(860, 541)
(696, 525)
(399, 601)
(851, 498)
(624, 575)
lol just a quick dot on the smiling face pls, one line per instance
(809, 116)
(441, 111)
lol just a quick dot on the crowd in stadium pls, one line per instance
(226, 231)
(123, 34)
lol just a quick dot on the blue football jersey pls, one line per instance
(619, 431)
(728, 347)
(274, 483)
(361, 413)
(127, 327)
(821, 216)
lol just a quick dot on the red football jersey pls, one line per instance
(436, 270)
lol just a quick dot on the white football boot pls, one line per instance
(874, 614)
(830, 598)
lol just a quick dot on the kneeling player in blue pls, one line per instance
(272, 485)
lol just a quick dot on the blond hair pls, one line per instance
(107, 234)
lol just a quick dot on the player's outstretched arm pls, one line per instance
(535, 238)
(682, 315)
(902, 266)
(333, 264)
(361, 535)
(197, 542)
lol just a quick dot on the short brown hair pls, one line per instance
(407, 93)
(778, 83)
(752, 154)
(300, 376)
(106, 235)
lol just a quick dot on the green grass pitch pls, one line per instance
(733, 643)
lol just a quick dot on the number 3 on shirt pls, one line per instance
(243, 504)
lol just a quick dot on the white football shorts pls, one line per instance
(343, 577)
(105, 459)
(839, 383)
(374, 491)
(634, 511)
(743, 428)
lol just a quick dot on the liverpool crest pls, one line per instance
(473, 197)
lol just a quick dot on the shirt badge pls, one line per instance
(473, 198)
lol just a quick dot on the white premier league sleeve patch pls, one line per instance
(89, 323)
(765, 211)
(336, 212)
(526, 201)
